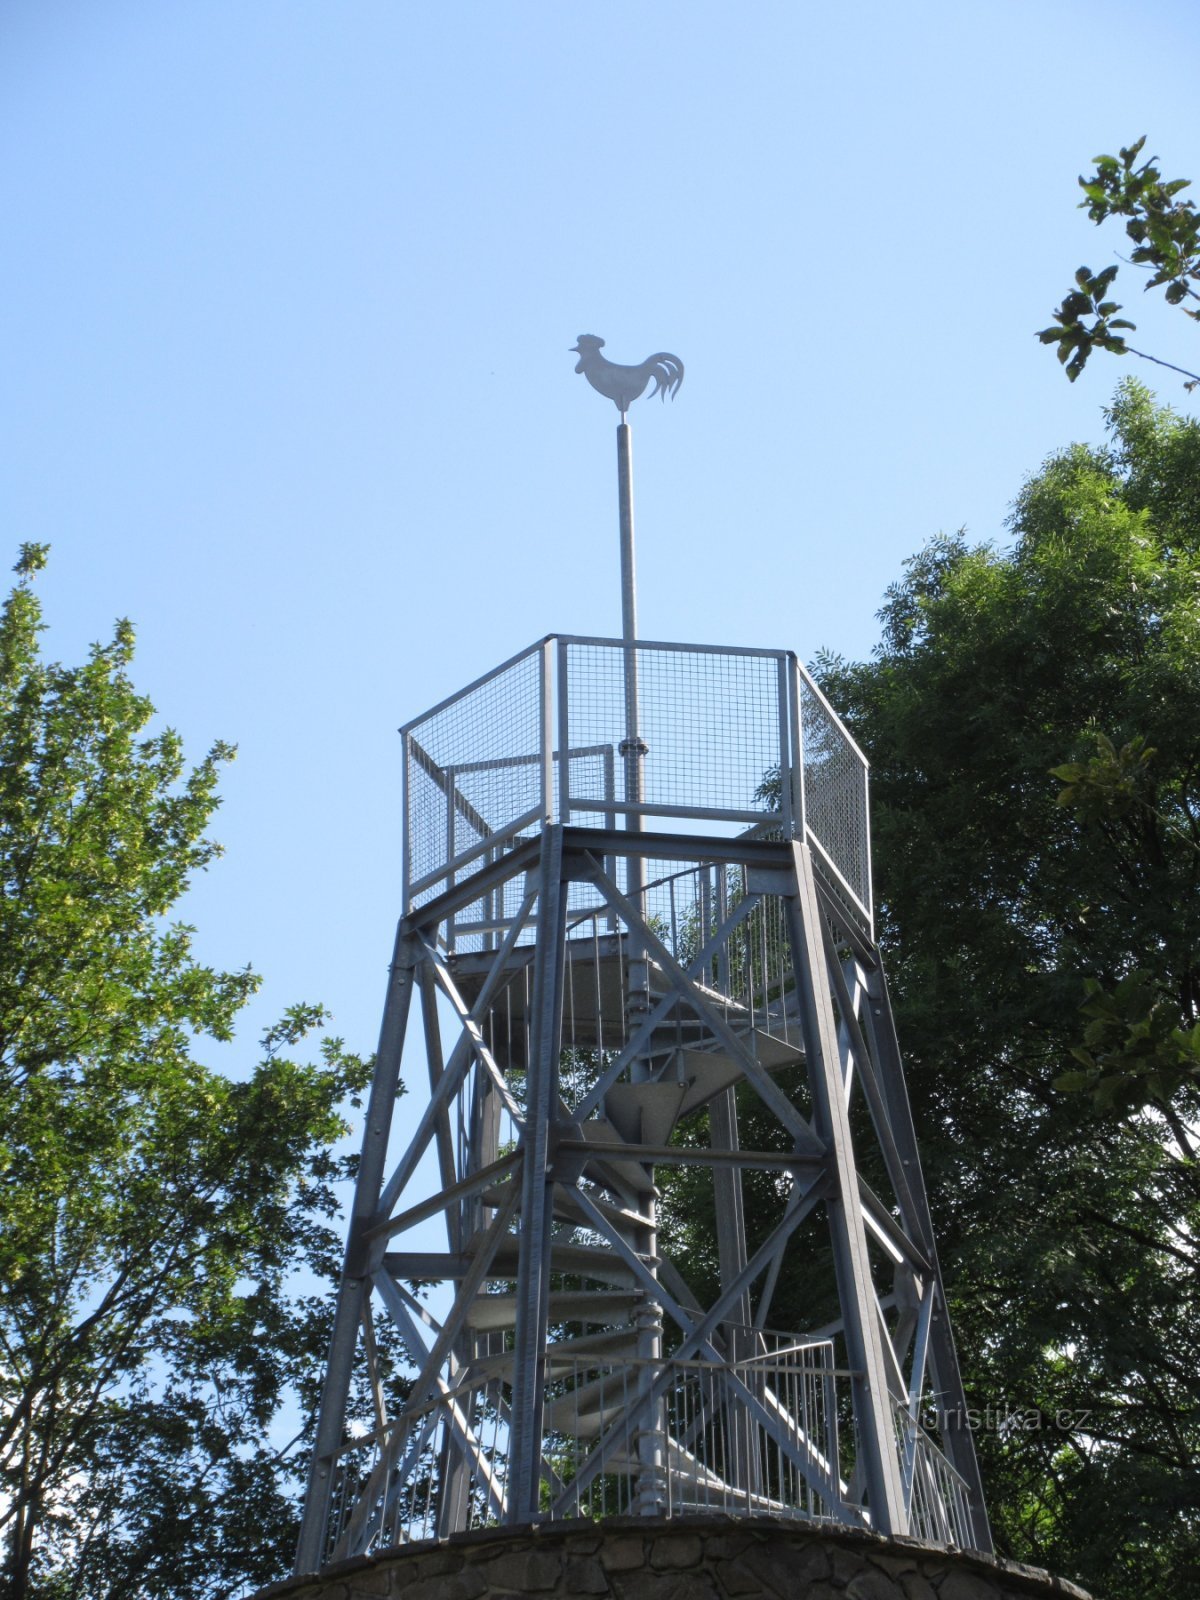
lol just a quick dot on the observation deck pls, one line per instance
(731, 741)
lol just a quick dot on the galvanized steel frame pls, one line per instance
(849, 1047)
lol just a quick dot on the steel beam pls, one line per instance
(872, 1405)
(353, 1289)
(537, 1184)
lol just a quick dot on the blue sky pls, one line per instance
(286, 307)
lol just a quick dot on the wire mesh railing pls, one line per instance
(704, 738)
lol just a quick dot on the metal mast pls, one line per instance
(624, 1026)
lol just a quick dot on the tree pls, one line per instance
(1165, 233)
(1068, 1222)
(158, 1352)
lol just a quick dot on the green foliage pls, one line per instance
(1106, 785)
(154, 1213)
(1033, 720)
(1165, 233)
(1134, 1052)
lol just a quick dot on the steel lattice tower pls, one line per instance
(638, 929)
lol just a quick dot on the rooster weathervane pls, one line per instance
(623, 385)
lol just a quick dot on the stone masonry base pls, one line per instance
(687, 1558)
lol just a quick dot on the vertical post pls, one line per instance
(798, 802)
(869, 874)
(451, 844)
(563, 814)
(785, 748)
(610, 818)
(546, 697)
(406, 821)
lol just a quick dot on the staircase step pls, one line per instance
(584, 1305)
(581, 1260)
(611, 1344)
(644, 1113)
(707, 1073)
(585, 1412)
(567, 1208)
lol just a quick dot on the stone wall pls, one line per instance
(688, 1558)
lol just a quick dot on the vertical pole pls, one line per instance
(633, 750)
(648, 1319)
(628, 566)
(632, 747)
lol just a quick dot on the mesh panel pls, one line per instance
(710, 719)
(594, 776)
(835, 793)
(426, 819)
(474, 767)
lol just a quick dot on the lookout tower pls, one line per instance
(658, 1242)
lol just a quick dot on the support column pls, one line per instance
(860, 1314)
(537, 1186)
(354, 1286)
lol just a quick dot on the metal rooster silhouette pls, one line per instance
(623, 385)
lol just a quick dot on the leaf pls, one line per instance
(1072, 1082)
